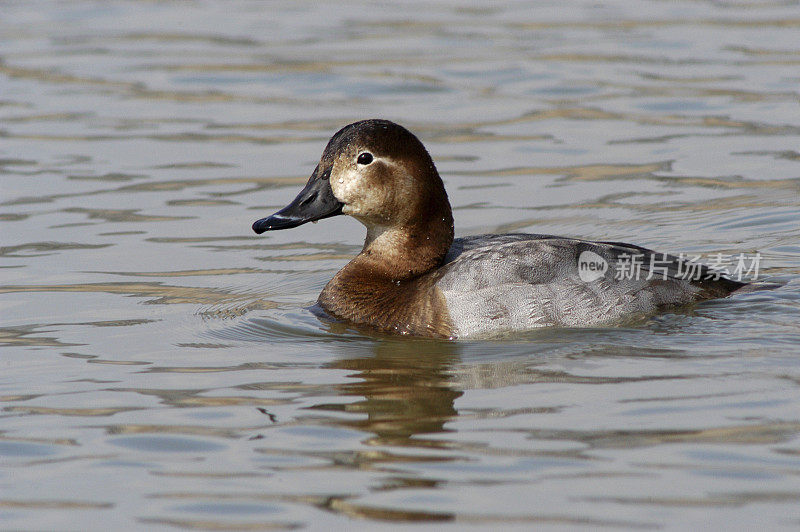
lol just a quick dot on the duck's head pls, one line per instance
(379, 173)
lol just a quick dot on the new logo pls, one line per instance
(591, 266)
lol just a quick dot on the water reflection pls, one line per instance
(406, 390)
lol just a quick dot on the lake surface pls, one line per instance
(160, 368)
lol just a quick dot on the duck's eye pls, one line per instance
(364, 158)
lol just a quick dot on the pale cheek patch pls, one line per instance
(354, 190)
(347, 187)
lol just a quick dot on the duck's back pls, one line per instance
(513, 282)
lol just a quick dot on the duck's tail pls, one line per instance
(757, 286)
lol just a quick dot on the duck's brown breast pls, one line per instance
(412, 306)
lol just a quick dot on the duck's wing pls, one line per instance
(520, 281)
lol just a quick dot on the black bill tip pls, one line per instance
(275, 222)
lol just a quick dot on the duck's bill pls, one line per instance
(315, 202)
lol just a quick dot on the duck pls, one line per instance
(412, 277)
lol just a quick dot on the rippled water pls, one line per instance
(160, 368)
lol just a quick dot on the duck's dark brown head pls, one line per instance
(379, 173)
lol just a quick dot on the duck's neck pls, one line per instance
(405, 252)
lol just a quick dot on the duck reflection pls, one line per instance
(406, 389)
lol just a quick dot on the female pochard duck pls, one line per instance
(412, 277)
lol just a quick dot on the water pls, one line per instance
(160, 369)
